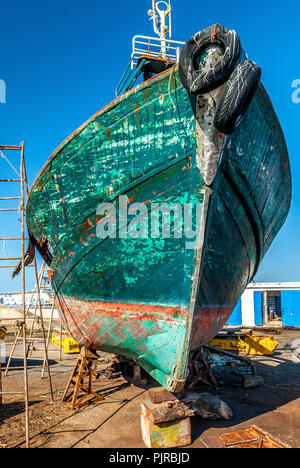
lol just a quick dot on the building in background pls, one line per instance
(268, 304)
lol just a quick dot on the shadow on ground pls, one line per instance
(9, 410)
(17, 363)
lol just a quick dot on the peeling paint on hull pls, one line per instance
(152, 299)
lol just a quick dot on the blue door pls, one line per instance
(290, 304)
(258, 308)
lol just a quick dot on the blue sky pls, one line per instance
(61, 61)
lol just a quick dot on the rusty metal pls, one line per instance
(254, 437)
(203, 361)
(213, 33)
(160, 395)
(233, 356)
(242, 367)
(200, 371)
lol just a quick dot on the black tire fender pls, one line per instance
(237, 96)
(216, 35)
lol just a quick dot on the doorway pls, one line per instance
(273, 310)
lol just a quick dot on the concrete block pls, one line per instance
(166, 435)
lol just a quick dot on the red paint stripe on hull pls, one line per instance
(85, 319)
(207, 323)
(118, 309)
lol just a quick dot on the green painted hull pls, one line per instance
(152, 299)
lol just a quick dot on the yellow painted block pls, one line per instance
(260, 345)
(251, 345)
(2, 333)
(166, 435)
(225, 344)
(68, 344)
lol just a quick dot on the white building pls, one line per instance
(262, 303)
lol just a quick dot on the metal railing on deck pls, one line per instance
(148, 48)
(152, 48)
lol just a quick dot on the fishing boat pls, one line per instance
(156, 213)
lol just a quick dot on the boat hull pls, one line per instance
(155, 298)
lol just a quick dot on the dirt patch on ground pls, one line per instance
(42, 415)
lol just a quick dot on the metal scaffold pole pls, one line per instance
(21, 210)
(23, 297)
(48, 339)
(22, 266)
(46, 360)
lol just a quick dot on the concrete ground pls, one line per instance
(115, 422)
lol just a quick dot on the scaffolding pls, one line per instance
(23, 324)
(35, 322)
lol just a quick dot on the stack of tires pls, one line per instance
(242, 76)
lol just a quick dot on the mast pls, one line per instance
(162, 22)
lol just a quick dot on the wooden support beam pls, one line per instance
(82, 394)
(9, 209)
(12, 238)
(10, 148)
(3, 259)
(10, 180)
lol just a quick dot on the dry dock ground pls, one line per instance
(115, 422)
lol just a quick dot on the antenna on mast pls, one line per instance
(162, 22)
